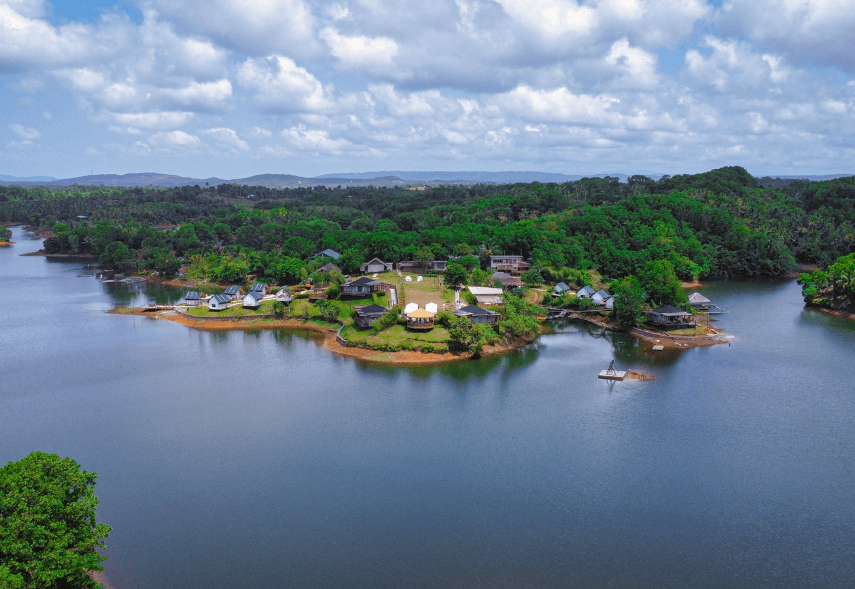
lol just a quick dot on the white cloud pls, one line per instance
(178, 139)
(151, 120)
(226, 139)
(558, 106)
(258, 28)
(282, 86)
(806, 31)
(735, 66)
(361, 52)
(26, 133)
(29, 41)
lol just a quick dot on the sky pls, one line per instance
(232, 88)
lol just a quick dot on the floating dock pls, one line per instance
(612, 374)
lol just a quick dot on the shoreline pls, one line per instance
(405, 357)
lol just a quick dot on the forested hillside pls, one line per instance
(721, 223)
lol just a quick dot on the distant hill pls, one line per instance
(490, 177)
(4, 178)
(386, 179)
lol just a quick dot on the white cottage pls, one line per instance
(252, 300)
(375, 265)
(586, 292)
(600, 297)
(219, 302)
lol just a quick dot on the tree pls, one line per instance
(627, 304)
(49, 538)
(456, 274)
(328, 309)
(118, 256)
(5, 234)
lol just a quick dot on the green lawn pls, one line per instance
(236, 311)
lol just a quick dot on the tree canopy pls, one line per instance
(49, 538)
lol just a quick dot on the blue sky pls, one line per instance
(230, 88)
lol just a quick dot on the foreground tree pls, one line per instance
(5, 234)
(49, 538)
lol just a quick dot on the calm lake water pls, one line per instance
(258, 459)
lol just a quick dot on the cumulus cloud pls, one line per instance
(226, 140)
(733, 65)
(174, 139)
(30, 41)
(805, 31)
(282, 86)
(259, 28)
(360, 52)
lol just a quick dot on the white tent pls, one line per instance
(418, 278)
(431, 308)
(410, 308)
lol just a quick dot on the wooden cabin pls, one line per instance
(365, 317)
(600, 297)
(476, 314)
(511, 264)
(376, 265)
(506, 280)
(670, 317)
(193, 298)
(560, 289)
(362, 287)
(233, 292)
(252, 299)
(420, 319)
(586, 292)
(219, 302)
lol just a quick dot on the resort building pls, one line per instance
(252, 300)
(219, 302)
(420, 319)
(511, 264)
(193, 298)
(486, 295)
(363, 286)
(478, 315)
(376, 265)
(670, 317)
(365, 317)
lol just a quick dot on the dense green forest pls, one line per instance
(721, 223)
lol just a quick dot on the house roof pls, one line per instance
(603, 293)
(586, 290)
(255, 294)
(504, 256)
(193, 295)
(329, 267)
(328, 253)
(374, 260)
(484, 290)
(669, 311)
(220, 299)
(697, 298)
(421, 314)
(370, 310)
(232, 290)
(474, 310)
(364, 281)
(258, 286)
(489, 299)
(561, 287)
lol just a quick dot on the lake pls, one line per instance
(259, 459)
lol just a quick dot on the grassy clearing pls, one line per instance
(689, 331)
(236, 311)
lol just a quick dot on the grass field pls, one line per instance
(236, 311)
